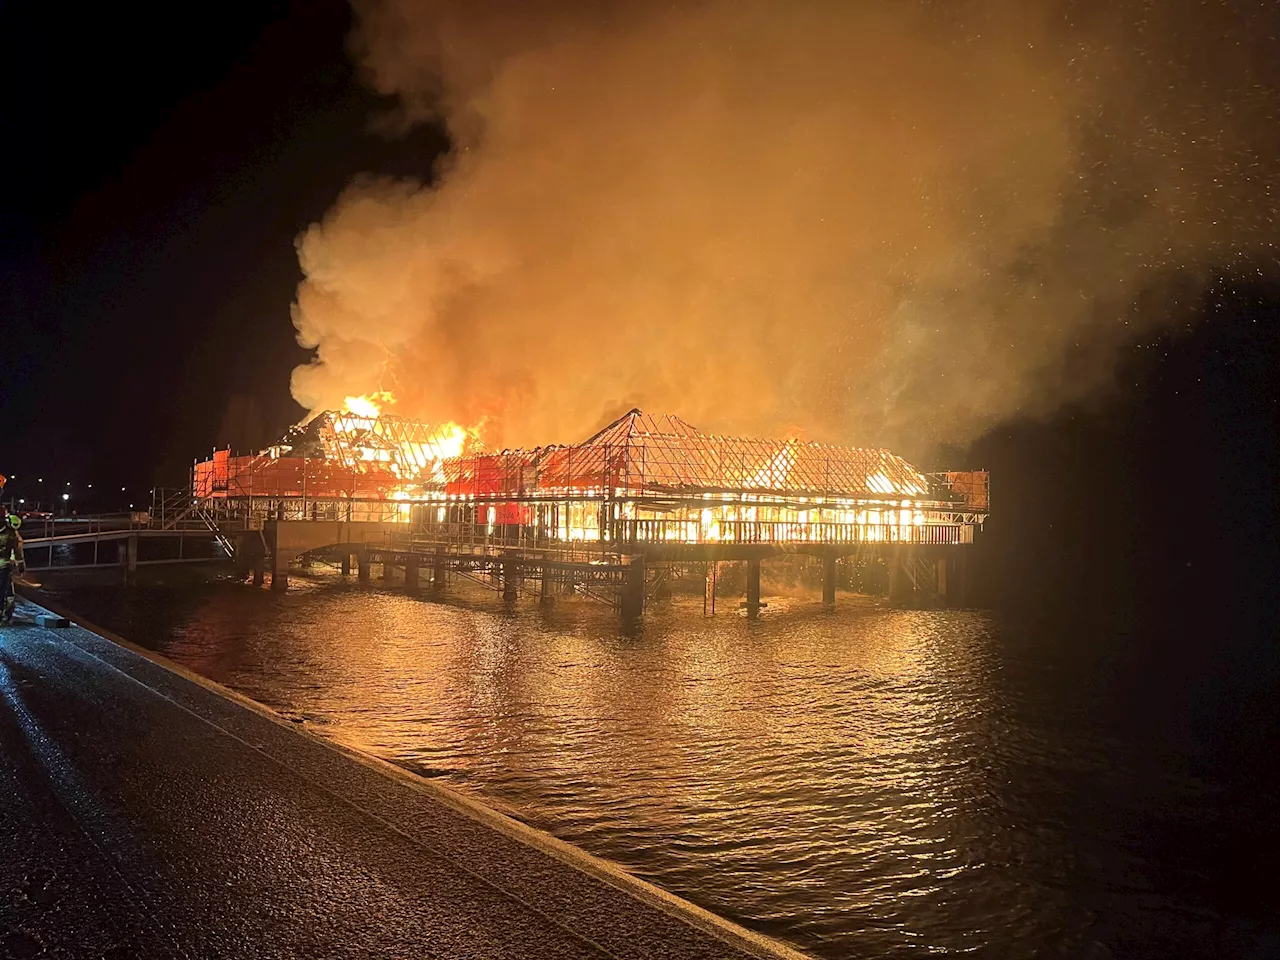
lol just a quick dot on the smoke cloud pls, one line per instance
(889, 223)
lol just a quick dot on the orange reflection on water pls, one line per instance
(833, 768)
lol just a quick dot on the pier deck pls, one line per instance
(151, 813)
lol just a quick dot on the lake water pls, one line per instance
(868, 783)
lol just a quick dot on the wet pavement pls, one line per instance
(145, 814)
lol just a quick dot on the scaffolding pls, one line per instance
(338, 456)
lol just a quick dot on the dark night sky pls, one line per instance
(146, 252)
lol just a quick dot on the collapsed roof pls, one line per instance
(643, 454)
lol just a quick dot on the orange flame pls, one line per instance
(369, 405)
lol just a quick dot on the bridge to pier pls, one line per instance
(128, 541)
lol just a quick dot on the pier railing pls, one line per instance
(52, 528)
(768, 531)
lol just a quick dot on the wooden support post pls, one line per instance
(753, 589)
(279, 572)
(509, 584)
(902, 589)
(960, 583)
(248, 548)
(346, 564)
(437, 571)
(632, 596)
(411, 574)
(386, 570)
(829, 581)
(259, 571)
(941, 584)
(548, 585)
(362, 565)
(131, 563)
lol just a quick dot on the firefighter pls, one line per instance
(10, 557)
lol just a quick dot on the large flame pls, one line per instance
(449, 440)
(414, 457)
(775, 474)
(369, 405)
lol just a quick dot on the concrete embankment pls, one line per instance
(150, 812)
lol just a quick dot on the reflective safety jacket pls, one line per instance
(10, 547)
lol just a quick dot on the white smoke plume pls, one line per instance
(877, 222)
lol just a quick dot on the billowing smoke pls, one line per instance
(881, 222)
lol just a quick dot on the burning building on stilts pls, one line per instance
(644, 490)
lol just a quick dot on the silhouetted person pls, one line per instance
(11, 558)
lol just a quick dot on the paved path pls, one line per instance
(143, 813)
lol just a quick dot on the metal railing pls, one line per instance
(781, 531)
(51, 528)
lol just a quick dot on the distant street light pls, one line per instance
(66, 496)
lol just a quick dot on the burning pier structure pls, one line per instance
(610, 517)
